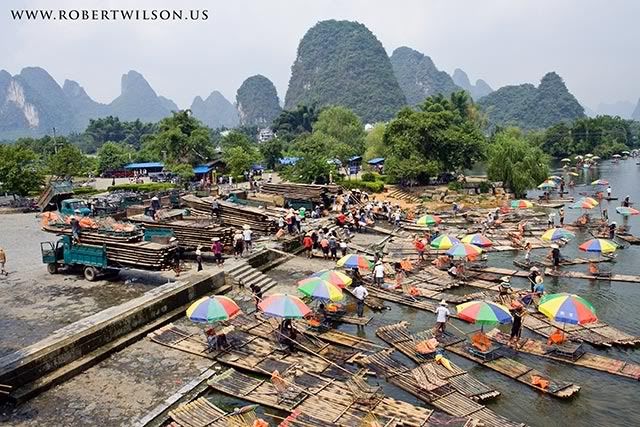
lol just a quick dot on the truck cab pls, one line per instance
(69, 206)
(91, 259)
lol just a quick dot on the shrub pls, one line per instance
(485, 187)
(87, 191)
(454, 186)
(143, 188)
(374, 187)
(369, 177)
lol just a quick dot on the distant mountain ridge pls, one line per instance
(215, 111)
(32, 103)
(530, 107)
(418, 76)
(343, 63)
(477, 91)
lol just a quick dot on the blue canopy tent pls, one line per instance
(147, 166)
(378, 161)
(289, 161)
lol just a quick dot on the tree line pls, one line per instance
(443, 134)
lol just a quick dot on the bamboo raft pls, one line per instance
(570, 274)
(201, 412)
(502, 364)
(632, 240)
(586, 360)
(400, 339)
(319, 401)
(439, 394)
(193, 232)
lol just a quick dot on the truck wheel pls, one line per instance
(52, 268)
(90, 273)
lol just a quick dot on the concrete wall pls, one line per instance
(80, 338)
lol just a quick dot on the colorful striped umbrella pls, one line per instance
(600, 182)
(355, 261)
(547, 185)
(484, 313)
(444, 241)
(555, 178)
(565, 160)
(462, 250)
(583, 203)
(428, 220)
(591, 200)
(626, 211)
(334, 277)
(477, 240)
(598, 245)
(212, 309)
(284, 306)
(317, 288)
(557, 234)
(521, 204)
(567, 308)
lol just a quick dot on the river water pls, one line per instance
(604, 400)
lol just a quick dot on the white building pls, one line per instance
(265, 134)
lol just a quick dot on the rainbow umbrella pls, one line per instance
(598, 245)
(555, 178)
(334, 277)
(212, 309)
(583, 203)
(318, 288)
(600, 182)
(567, 308)
(591, 200)
(463, 250)
(627, 211)
(428, 220)
(284, 306)
(547, 185)
(557, 234)
(521, 204)
(477, 240)
(444, 241)
(355, 261)
(484, 313)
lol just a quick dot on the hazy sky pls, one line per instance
(592, 44)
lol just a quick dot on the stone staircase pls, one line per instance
(400, 194)
(245, 275)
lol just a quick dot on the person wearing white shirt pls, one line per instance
(246, 235)
(442, 315)
(360, 293)
(378, 273)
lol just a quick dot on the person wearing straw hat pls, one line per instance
(378, 273)
(246, 235)
(238, 244)
(555, 256)
(442, 315)
(517, 312)
(216, 248)
(534, 273)
(199, 257)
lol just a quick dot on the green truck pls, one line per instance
(90, 259)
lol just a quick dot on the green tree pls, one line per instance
(442, 136)
(516, 163)
(239, 159)
(374, 142)
(313, 165)
(68, 161)
(113, 156)
(181, 138)
(237, 139)
(184, 172)
(271, 152)
(343, 129)
(20, 171)
(291, 123)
